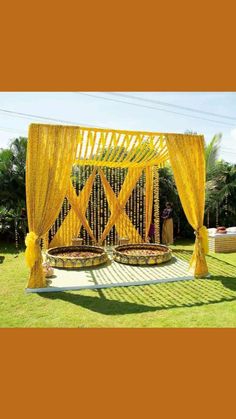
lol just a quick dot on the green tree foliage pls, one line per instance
(220, 186)
(221, 192)
(12, 188)
(12, 175)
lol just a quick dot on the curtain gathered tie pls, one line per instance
(202, 234)
(32, 252)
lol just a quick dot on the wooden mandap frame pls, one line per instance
(59, 198)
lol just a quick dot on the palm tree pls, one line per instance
(18, 148)
(211, 154)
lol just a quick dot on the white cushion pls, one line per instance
(231, 229)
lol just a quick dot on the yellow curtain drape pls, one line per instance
(72, 223)
(148, 200)
(50, 153)
(187, 159)
(118, 216)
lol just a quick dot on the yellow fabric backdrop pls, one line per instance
(187, 159)
(50, 153)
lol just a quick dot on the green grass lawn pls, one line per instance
(197, 303)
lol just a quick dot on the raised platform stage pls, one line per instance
(114, 274)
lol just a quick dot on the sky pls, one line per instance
(120, 111)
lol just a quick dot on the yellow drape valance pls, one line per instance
(120, 149)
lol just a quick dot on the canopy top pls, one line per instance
(115, 148)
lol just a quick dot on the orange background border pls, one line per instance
(126, 45)
(129, 373)
(174, 46)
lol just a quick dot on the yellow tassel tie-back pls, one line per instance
(31, 253)
(203, 235)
